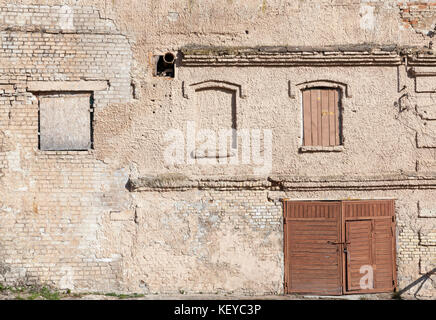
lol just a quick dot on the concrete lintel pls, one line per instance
(82, 85)
(322, 149)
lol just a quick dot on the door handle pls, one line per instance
(331, 242)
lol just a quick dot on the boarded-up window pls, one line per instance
(65, 121)
(321, 117)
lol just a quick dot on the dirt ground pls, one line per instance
(47, 294)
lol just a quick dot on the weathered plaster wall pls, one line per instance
(227, 241)
(67, 218)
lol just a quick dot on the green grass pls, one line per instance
(32, 292)
(48, 294)
(123, 296)
(33, 296)
(44, 292)
(15, 289)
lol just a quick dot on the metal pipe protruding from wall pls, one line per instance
(169, 58)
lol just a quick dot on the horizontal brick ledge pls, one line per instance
(83, 85)
(281, 183)
(350, 55)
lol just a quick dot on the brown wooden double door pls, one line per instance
(339, 247)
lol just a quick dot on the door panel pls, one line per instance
(384, 257)
(369, 227)
(359, 250)
(313, 263)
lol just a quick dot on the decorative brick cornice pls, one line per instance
(351, 55)
(387, 182)
(421, 59)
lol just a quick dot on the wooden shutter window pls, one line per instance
(321, 117)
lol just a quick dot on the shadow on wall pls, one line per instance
(419, 281)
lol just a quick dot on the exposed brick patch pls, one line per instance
(421, 16)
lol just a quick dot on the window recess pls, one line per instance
(65, 121)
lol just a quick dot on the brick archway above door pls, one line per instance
(339, 247)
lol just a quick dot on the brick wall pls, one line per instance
(66, 217)
(52, 202)
(418, 15)
(203, 242)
